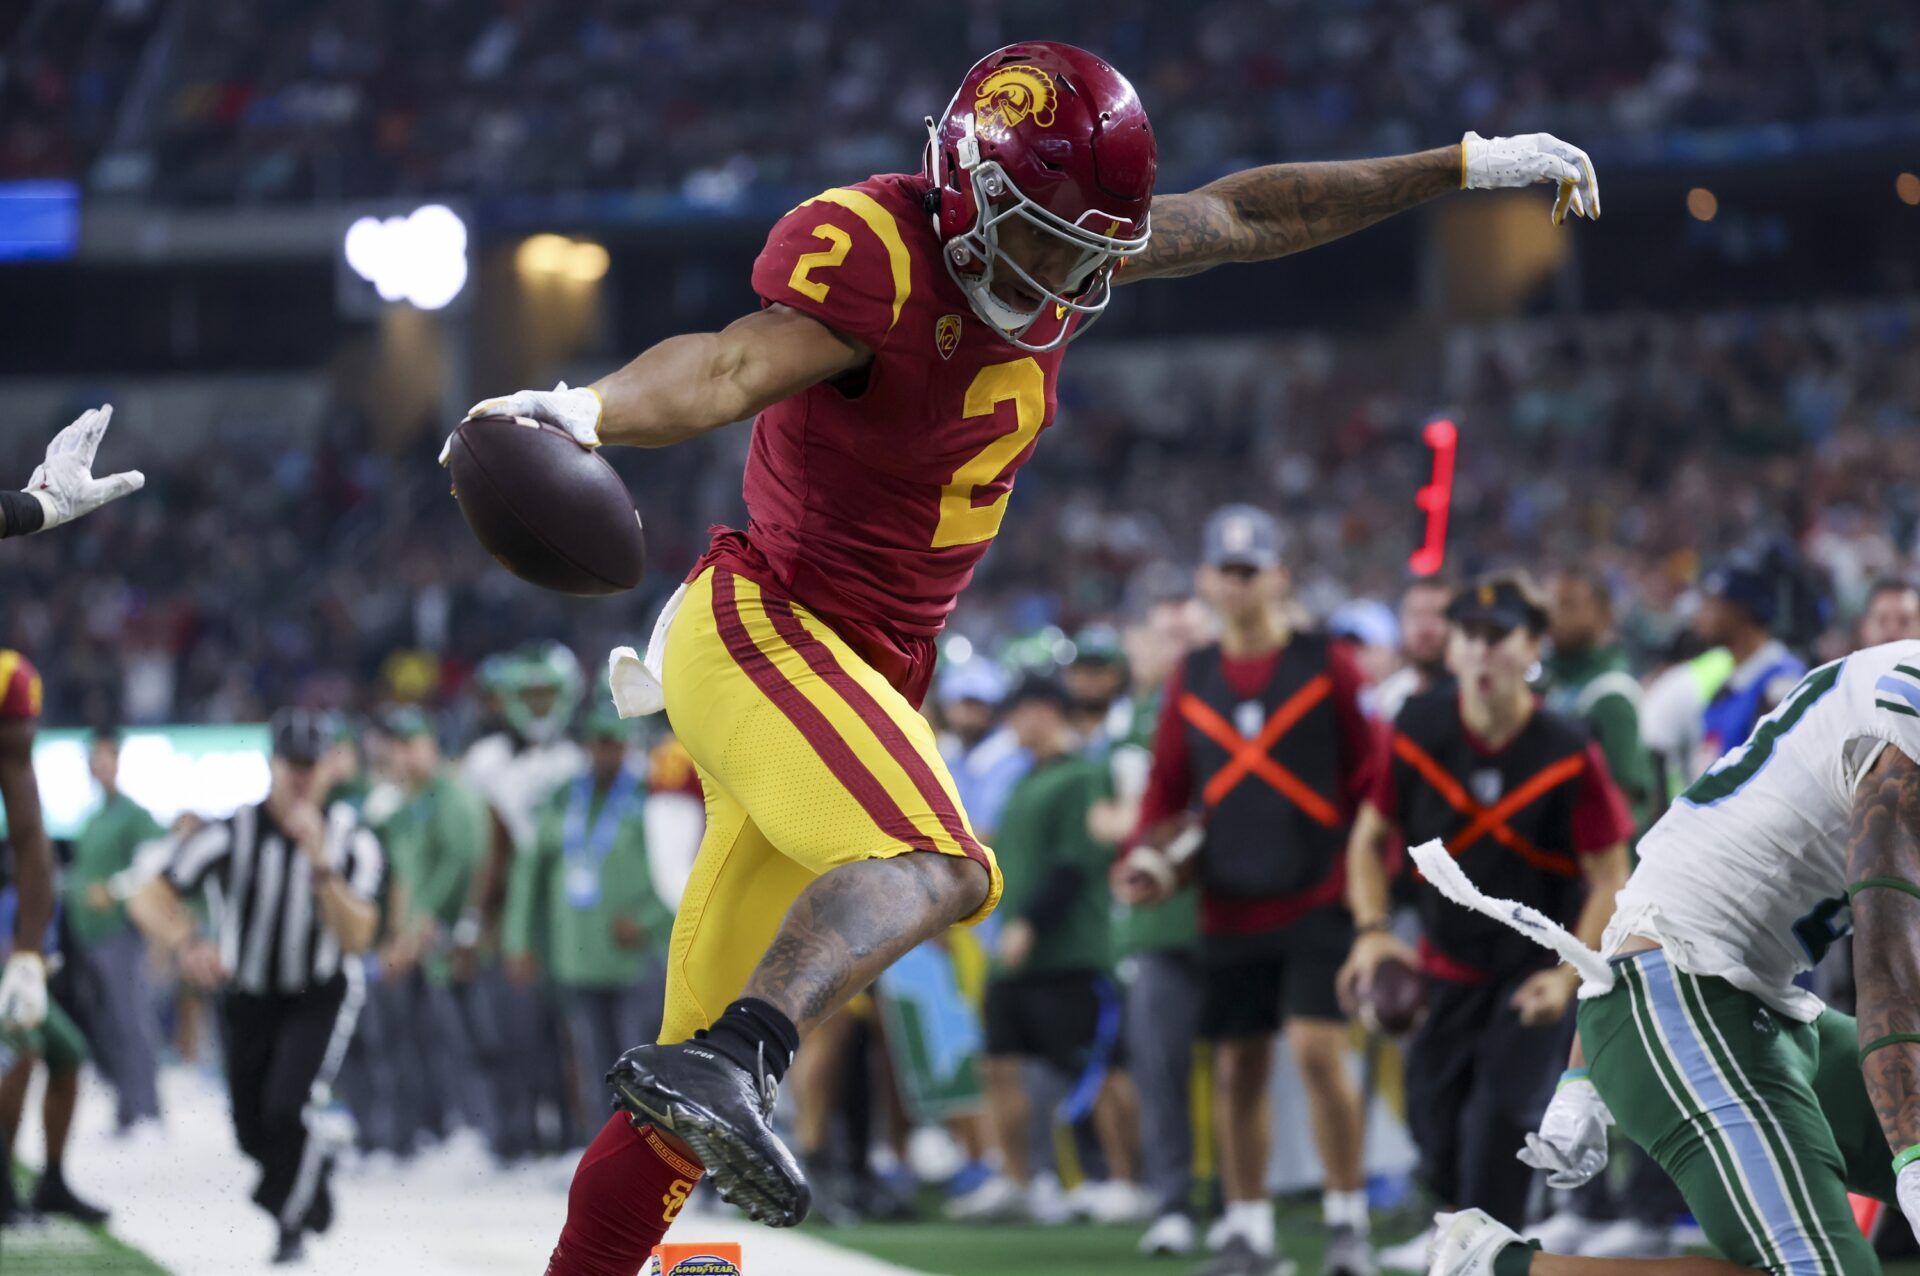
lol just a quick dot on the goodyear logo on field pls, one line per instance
(704, 1265)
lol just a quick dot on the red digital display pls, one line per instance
(1435, 500)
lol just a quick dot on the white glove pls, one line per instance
(1907, 1189)
(577, 411)
(64, 483)
(1494, 163)
(23, 991)
(1572, 1143)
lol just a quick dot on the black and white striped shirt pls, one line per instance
(266, 919)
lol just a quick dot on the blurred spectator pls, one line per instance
(118, 999)
(1892, 612)
(334, 99)
(584, 884)
(1051, 996)
(1589, 678)
(1423, 649)
(1155, 943)
(1737, 610)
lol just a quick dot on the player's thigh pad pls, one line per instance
(828, 760)
(1719, 1090)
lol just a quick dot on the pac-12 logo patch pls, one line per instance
(1013, 94)
(946, 335)
(704, 1265)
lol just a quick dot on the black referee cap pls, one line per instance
(302, 735)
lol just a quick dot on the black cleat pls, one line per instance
(289, 1249)
(53, 1196)
(723, 1113)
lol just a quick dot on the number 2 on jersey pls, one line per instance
(801, 280)
(1025, 385)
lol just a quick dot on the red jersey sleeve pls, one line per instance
(1360, 743)
(1170, 780)
(841, 258)
(20, 691)
(1600, 815)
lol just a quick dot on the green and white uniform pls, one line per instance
(1745, 1088)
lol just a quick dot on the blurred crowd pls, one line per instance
(1646, 446)
(259, 100)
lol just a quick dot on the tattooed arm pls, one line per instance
(1884, 842)
(1267, 212)
(1282, 208)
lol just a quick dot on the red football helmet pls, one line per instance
(1053, 135)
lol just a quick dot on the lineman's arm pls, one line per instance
(693, 383)
(1261, 213)
(1884, 849)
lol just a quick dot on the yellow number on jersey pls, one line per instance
(799, 280)
(961, 521)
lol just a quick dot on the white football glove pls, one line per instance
(64, 483)
(1907, 1189)
(1494, 163)
(23, 991)
(577, 411)
(1572, 1143)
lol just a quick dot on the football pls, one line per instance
(1395, 999)
(549, 510)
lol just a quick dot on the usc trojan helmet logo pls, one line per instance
(1013, 94)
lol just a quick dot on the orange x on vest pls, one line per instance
(1254, 756)
(1492, 820)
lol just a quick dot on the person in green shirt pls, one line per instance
(110, 953)
(1155, 944)
(1589, 678)
(1050, 997)
(434, 835)
(587, 877)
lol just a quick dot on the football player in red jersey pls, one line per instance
(901, 369)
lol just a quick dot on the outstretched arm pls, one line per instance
(690, 384)
(693, 383)
(1883, 868)
(1260, 213)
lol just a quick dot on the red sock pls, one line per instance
(627, 1190)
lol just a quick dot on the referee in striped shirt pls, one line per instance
(295, 895)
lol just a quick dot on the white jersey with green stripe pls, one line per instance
(1745, 876)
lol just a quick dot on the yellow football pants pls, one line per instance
(809, 760)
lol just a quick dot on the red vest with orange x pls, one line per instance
(1266, 769)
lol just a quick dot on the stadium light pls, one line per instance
(420, 258)
(555, 256)
(1907, 187)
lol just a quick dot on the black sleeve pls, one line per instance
(20, 514)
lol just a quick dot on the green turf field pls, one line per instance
(1006, 1249)
(62, 1247)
